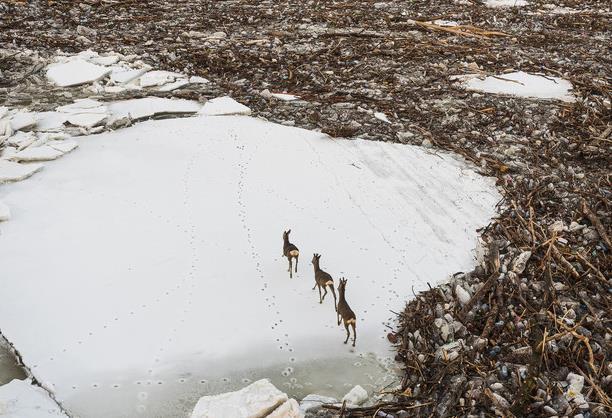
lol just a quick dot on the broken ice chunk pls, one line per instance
(147, 107)
(381, 116)
(258, 399)
(11, 171)
(74, 73)
(198, 80)
(224, 106)
(87, 120)
(42, 153)
(23, 120)
(158, 78)
(122, 75)
(64, 146)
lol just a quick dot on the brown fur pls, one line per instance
(323, 280)
(346, 313)
(290, 251)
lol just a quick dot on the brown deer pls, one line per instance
(344, 311)
(290, 251)
(323, 280)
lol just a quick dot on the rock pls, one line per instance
(520, 262)
(501, 401)
(290, 409)
(497, 386)
(5, 212)
(22, 399)
(85, 31)
(356, 396)
(576, 383)
(557, 226)
(462, 294)
(259, 399)
(312, 403)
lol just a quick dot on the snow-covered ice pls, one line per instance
(75, 72)
(21, 399)
(23, 120)
(158, 78)
(10, 171)
(42, 153)
(166, 238)
(223, 106)
(5, 212)
(520, 84)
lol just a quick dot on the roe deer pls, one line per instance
(323, 280)
(344, 311)
(290, 251)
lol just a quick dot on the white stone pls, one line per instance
(23, 120)
(314, 402)
(446, 23)
(74, 73)
(520, 262)
(576, 383)
(257, 400)
(290, 409)
(462, 294)
(42, 153)
(224, 106)
(147, 107)
(557, 226)
(21, 399)
(356, 396)
(5, 215)
(280, 96)
(11, 171)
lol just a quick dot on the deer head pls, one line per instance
(315, 259)
(286, 235)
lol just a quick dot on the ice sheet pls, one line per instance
(159, 277)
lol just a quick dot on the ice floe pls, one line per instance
(280, 96)
(11, 171)
(42, 153)
(520, 84)
(506, 3)
(190, 211)
(22, 399)
(223, 106)
(77, 72)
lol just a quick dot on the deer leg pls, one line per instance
(331, 286)
(320, 300)
(338, 317)
(348, 334)
(290, 273)
(296, 263)
(313, 287)
(354, 333)
(324, 288)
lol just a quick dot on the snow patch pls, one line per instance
(520, 84)
(5, 213)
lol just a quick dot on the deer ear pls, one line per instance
(289, 231)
